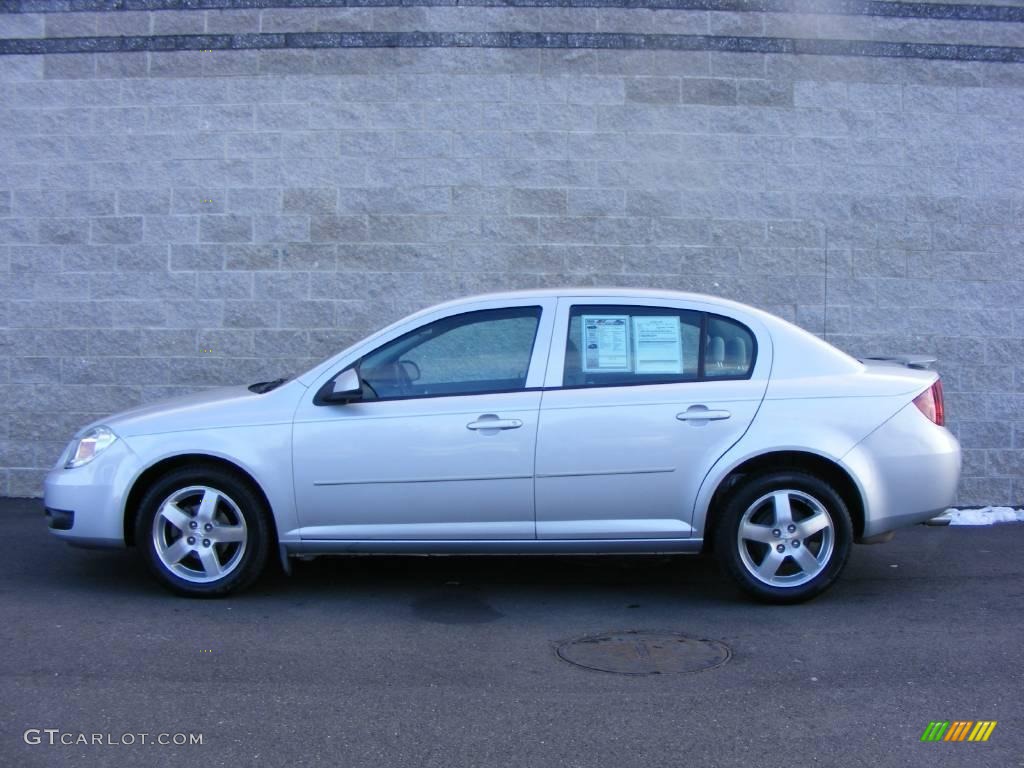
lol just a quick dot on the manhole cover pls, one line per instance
(645, 653)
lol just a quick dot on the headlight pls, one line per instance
(89, 446)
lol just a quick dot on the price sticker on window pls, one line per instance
(606, 343)
(657, 344)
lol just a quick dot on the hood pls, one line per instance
(209, 409)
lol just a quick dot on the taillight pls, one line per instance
(930, 403)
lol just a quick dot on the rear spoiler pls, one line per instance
(921, 362)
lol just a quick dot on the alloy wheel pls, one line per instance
(199, 534)
(786, 538)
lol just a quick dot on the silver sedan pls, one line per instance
(572, 421)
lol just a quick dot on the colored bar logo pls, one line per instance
(958, 730)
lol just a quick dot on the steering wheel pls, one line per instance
(402, 377)
(406, 366)
(392, 379)
(369, 386)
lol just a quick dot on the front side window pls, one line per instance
(472, 353)
(611, 346)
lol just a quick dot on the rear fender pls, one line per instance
(825, 427)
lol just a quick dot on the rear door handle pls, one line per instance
(493, 422)
(700, 413)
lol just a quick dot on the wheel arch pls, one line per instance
(169, 463)
(812, 463)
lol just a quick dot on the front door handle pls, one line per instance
(701, 413)
(490, 421)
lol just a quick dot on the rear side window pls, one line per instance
(611, 346)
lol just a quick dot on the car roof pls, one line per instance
(626, 293)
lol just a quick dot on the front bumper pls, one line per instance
(908, 469)
(60, 519)
(85, 505)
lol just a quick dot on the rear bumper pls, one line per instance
(908, 470)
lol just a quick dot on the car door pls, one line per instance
(641, 398)
(442, 445)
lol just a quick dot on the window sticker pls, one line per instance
(605, 343)
(657, 344)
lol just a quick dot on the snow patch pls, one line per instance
(983, 516)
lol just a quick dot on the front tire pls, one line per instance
(784, 536)
(203, 532)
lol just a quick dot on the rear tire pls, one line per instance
(783, 536)
(203, 532)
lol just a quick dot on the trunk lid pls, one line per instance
(900, 374)
(919, 362)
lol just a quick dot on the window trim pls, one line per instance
(320, 398)
(703, 350)
(701, 377)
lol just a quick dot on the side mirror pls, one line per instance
(346, 387)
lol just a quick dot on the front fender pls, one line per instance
(263, 451)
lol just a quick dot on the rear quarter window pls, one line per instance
(730, 349)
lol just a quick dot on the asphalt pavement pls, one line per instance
(452, 662)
